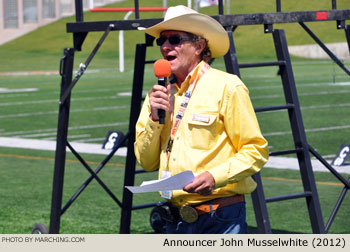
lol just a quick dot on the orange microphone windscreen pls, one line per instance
(162, 68)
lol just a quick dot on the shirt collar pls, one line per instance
(190, 77)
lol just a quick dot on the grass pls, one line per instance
(97, 101)
(95, 212)
(34, 115)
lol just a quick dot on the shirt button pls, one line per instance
(174, 159)
(177, 138)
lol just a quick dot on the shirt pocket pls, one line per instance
(202, 128)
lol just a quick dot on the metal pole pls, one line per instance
(334, 4)
(189, 4)
(66, 72)
(84, 66)
(336, 208)
(298, 131)
(278, 6)
(231, 61)
(121, 45)
(260, 209)
(137, 10)
(221, 7)
(79, 13)
(347, 34)
(129, 177)
(325, 48)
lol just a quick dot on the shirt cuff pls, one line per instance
(153, 126)
(220, 176)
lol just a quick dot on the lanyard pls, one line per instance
(176, 122)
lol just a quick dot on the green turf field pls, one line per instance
(101, 102)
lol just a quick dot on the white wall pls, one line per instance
(46, 10)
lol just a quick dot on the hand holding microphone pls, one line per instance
(159, 99)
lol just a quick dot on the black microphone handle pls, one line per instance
(161, 112)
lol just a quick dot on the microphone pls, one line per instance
(162, 70)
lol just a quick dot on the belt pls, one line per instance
(217, 203)
(190, 213)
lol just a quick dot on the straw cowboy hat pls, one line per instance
(182, 18)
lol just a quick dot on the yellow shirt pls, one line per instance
(230, 146)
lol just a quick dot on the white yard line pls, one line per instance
(126, 93)
(127, 106)
(56, 111)
(325, 106)
(302, 85)
(28, 114)
(93, 126)
(280, 133)
(53, 138)
(301, 94)
(55, 101)
(313, 107)
(273, 162)
(53, 72)
(28, 73)
(35, 144)
(13, 95)
(39, 135)
(17, 90)
(91, 140)
(292, 164)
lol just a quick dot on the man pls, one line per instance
(210, 128)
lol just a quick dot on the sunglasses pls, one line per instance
(173, 39)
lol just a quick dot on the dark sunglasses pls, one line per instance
(173, 39)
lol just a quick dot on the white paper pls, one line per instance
(175, 182)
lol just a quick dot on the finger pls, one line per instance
(189, 188)
(159, 100)
(159, 97)
(160, 88)
(203, 189)
(159, 103)
(193, 187)
(204, 184)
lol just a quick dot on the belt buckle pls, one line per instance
(188, 214)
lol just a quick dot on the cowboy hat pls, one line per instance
(182, 18)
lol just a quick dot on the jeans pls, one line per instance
(225, 220)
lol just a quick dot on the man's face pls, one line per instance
(184, 56)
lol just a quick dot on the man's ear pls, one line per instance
(200, 45)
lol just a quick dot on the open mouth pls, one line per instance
(170, 58)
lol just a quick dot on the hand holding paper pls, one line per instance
(176, 182)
